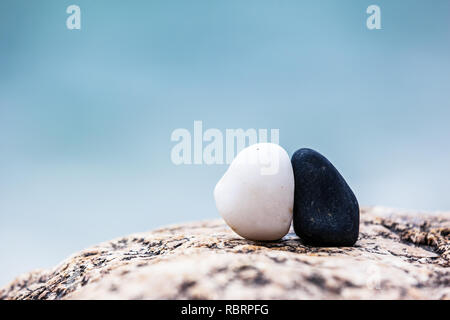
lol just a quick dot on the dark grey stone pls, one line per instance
(326, 212)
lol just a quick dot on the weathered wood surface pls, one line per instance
(399, 255)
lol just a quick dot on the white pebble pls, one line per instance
(255, 196)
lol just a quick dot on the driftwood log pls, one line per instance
(399, 255)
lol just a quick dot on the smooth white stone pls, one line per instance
(255, 196)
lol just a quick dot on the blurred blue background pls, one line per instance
(86, 115)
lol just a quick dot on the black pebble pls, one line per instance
(326, 212)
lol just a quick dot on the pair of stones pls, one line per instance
(263, 191)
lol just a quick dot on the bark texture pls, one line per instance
(399, 255)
